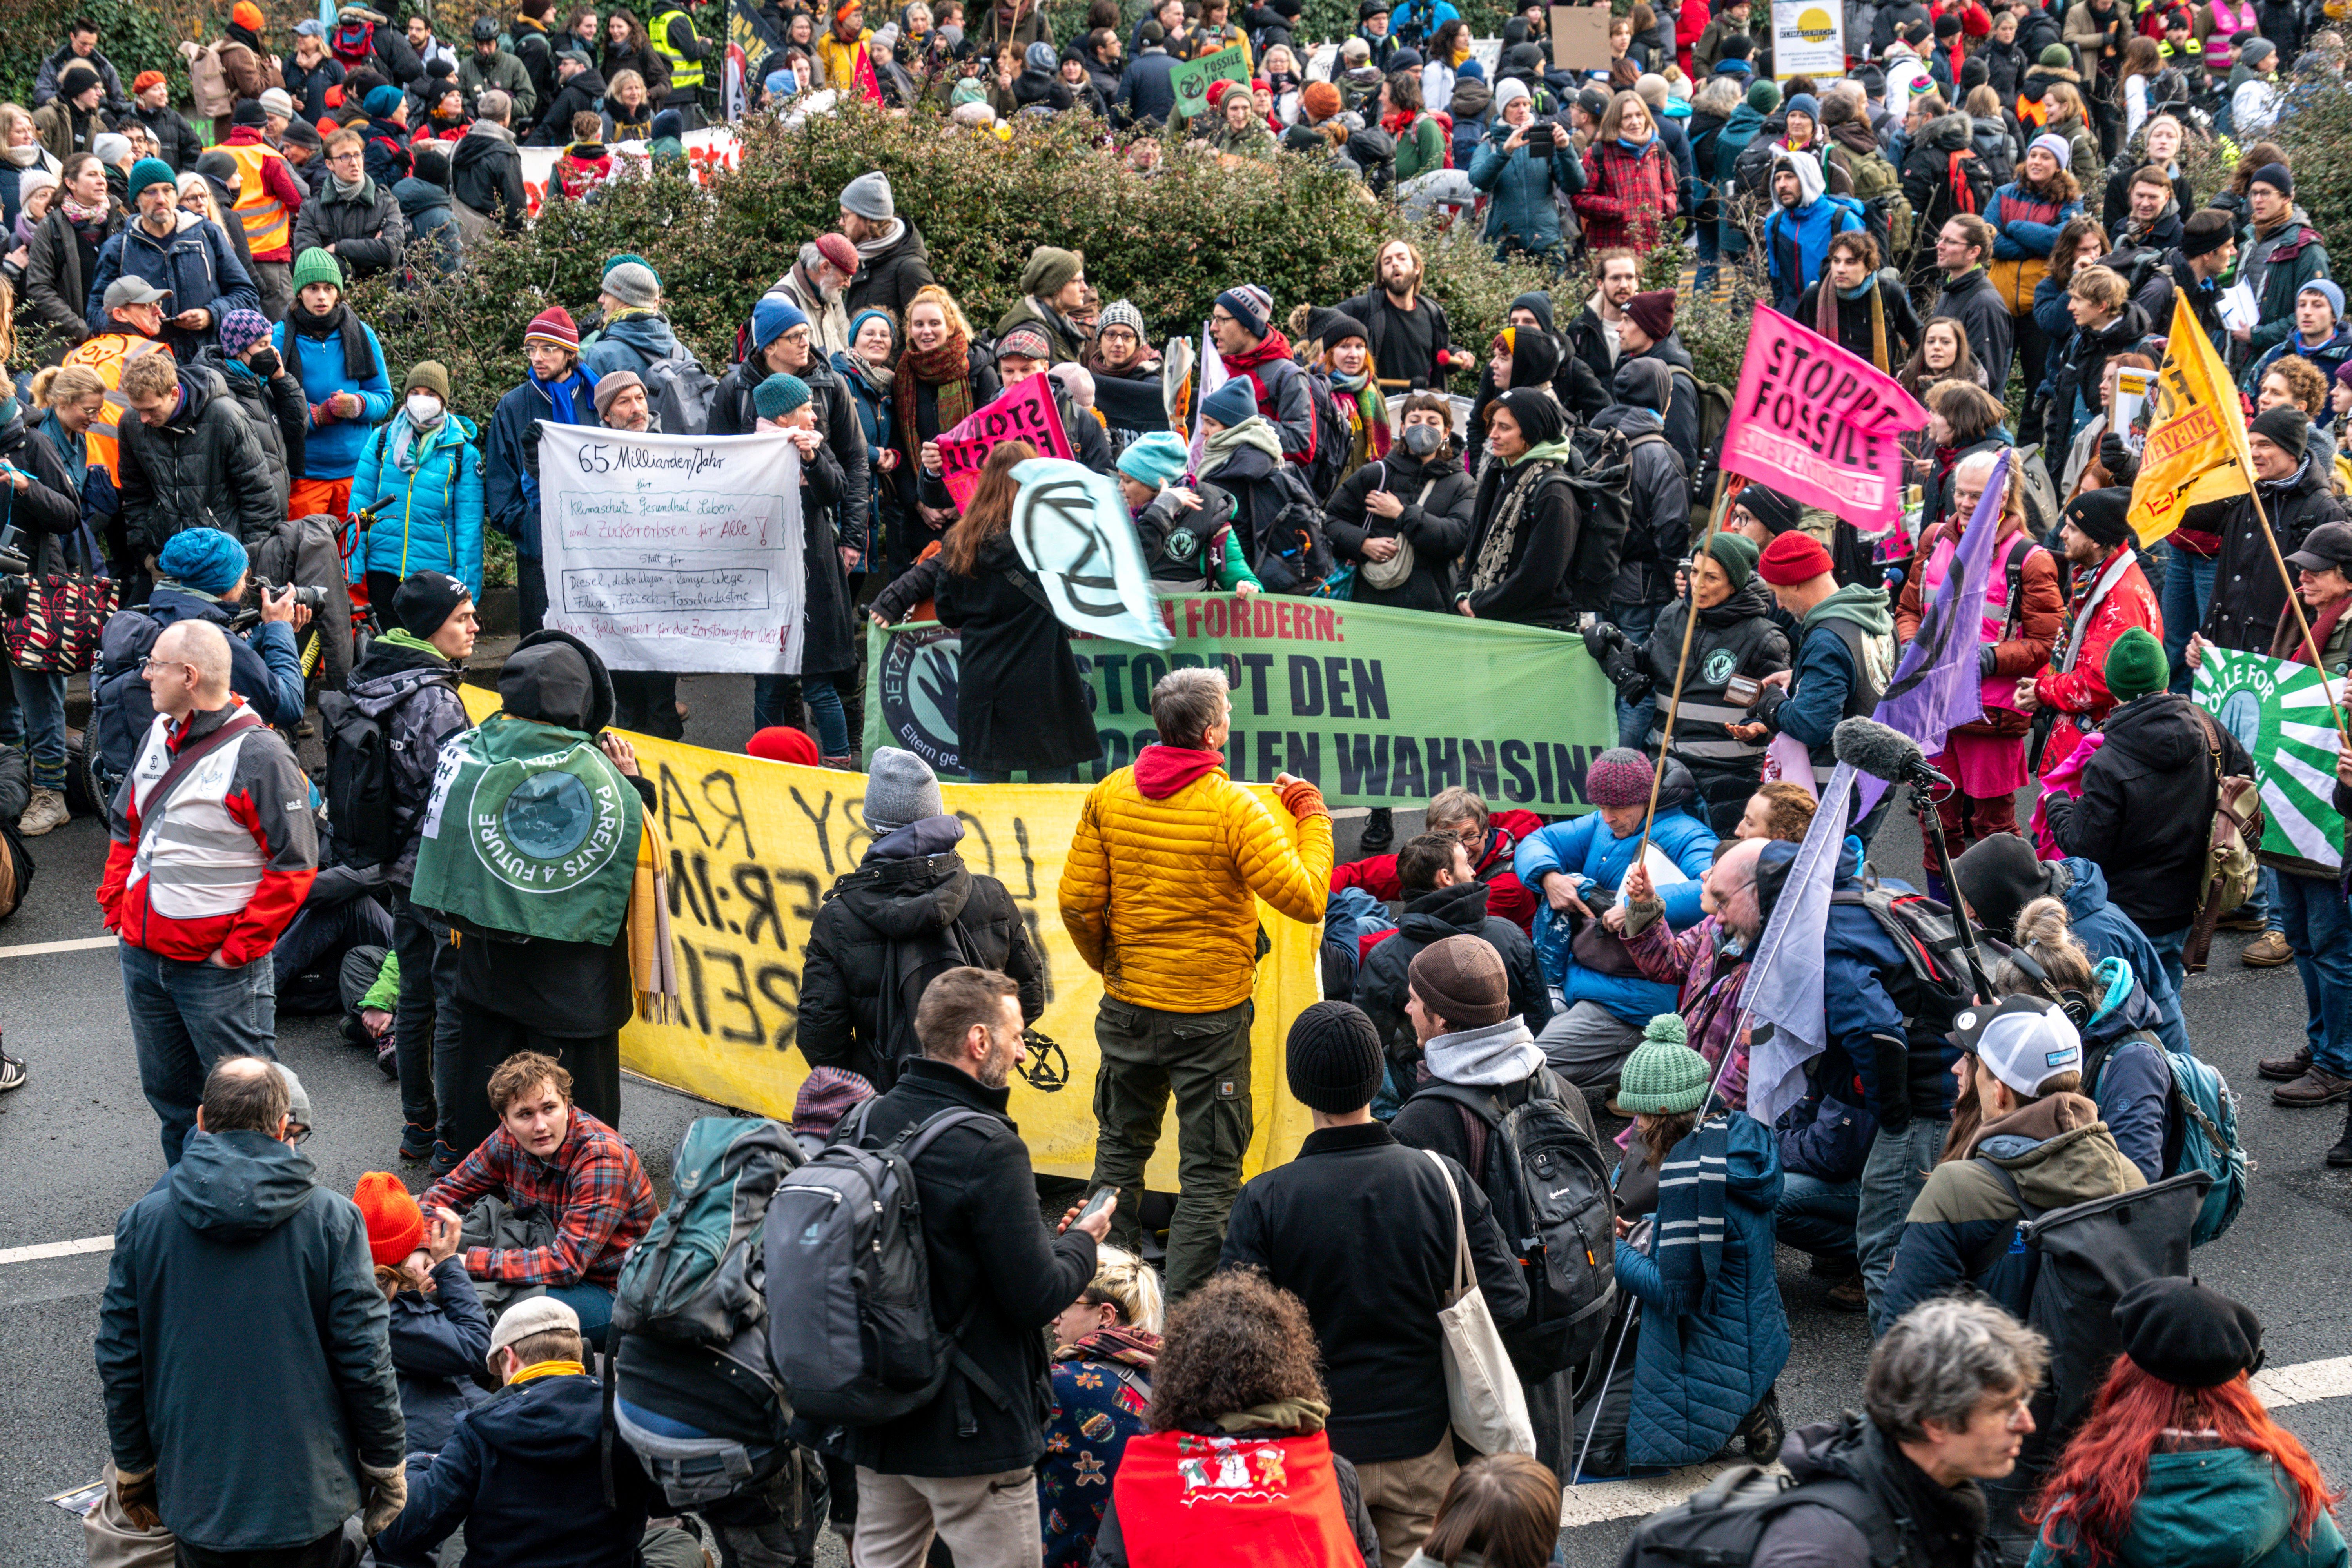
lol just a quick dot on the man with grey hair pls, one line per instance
(1947, 1395)
(213, 849)
(1159, 894)
(486, 171)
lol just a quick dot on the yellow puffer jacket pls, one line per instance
(1160, 896)
(838, 62)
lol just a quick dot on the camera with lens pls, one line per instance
(16, 581)
(310, 598)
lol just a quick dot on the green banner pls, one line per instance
(1190, 79)
(2278, 712)
(1377, 706)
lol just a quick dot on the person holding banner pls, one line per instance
(2249, 594)
(2111, 597)
(1844, 657)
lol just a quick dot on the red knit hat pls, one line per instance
(1792, 558)
(553, 325)
(779, 744)
(837, 249)
(396, 1226)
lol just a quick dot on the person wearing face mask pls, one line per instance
(1404, 519)
(421, 473)
(269, 394)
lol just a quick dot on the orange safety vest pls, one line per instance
(107, 354)
(268, 224)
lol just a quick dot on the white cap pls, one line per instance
(2025, 1042)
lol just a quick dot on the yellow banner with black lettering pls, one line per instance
(754, 847)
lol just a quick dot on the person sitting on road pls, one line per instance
(1500, 1510)
(1105, 1344)
(440, 1333)
(1443, 899)
(550, 1154)
(1493, 839)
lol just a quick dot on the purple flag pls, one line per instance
(1937, 687)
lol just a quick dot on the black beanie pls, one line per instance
(2207, 231)
(1999, 876)
(1333, 1058)
(2177, 1331)
(1769, 507)
(2286, 427)
(2102, 515)
(427, 601)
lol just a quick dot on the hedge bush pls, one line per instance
(1167, 241)
(2317, 136)
(136, 34)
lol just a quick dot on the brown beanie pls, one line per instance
(1461, 980)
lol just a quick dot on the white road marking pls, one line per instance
(78, 944)
(48, 1249)
(1597, 1502)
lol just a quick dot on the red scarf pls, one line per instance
(2287, 642)
(1269, 1501)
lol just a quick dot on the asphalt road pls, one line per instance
(78, 1145)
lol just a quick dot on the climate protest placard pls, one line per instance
(1190, 79)
(1022, 412)
(1818, 423)
(1370, 704)
(2278, 712)
(674, 552)
(753, 847)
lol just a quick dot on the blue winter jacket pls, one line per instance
(1809, 229)
(631, 343)
(1591, 856)
(2133, 1085)
(2327, 357)
(1704, 1364)
(196, 262)
(510, 462)
(331, 450)
(2018, 231)
(428, 516)
(2108, 932)
(438, 1343)
(1521, 187)
(1869, 1037)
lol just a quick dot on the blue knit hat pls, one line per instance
(1231, 403)
(858, 322)
(779, 395)
(2327, 289)
(204, 559)
(1804, 103)
(1158, 460)
(382, 102)
(772, 318)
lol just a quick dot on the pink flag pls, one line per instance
(1818, 423)
(1024, 412)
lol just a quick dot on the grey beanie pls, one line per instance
(868, 197)
(1121, 313)
(900, 788)
(633, 283)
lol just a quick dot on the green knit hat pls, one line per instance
(1735, 554)
(1663, 1074)
(2136, 666)
(150, 171)
(317, 266)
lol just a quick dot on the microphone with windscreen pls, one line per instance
(1870, 747)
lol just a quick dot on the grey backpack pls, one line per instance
(850, 1328)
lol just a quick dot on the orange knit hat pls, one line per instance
(246, 14)
(396, 1226)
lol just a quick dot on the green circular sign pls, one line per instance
(543, 830)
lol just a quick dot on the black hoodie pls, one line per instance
(2147, 808)
(1432, 917)
(910, 887)
(1936, 1526)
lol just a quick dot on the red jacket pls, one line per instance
(1690, 25)
(1505, 896)
(2080, 694)
(244, 856)
(1628, 198)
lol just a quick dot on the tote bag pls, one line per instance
(1483, 1396)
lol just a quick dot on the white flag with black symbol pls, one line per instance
(1071, 527)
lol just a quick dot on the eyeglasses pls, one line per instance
(151, 665)
(296, 1133)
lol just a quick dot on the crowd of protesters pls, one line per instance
(201, 422)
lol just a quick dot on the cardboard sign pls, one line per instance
(1190, 79)
(1024, 413)
(1818, 423)
(1808, 38)
(1580, 38)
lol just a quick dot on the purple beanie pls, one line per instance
(240, 330)
(1618, 776)
(827, 1095)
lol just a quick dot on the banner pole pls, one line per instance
(2295, 604)
(1682, 663)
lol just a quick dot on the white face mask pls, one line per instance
(424, 409)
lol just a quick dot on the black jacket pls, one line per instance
(203, 468)
(911, 887)
(176, 137)
(486, 174)
(413, 694)
(584, 92)
(238, 1247)
(2173, 280)
(990, 1258)
(1854, 318)
(893, 278)
(1436, 527)
(1537, 587)
(1020, 700)
(273, 407)
(1658, 531)
(2147, 808)
(1738, 637)
(2248, 594)
(55, 290)
(1457, 910)
(1937, 1526)
(1973, 301)
(48, 511)
(366, 230)
(1357, 1227)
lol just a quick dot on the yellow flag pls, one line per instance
(2196, 448)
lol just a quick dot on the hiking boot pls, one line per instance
(1380, 832)
(12, 1072)
(444, 1160)
(46, 812)
(2267, 950)
(2241, 919)
(387, 1060)
(416, 1142)
(2341, 1155)
(2285, 1069)
(2318, 1087)
(1848, 1296)
(1761, 1432)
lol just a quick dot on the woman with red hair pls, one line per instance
(2179, 1462)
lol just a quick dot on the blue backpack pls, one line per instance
(2200, 1133)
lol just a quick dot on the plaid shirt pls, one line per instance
(593, 1186)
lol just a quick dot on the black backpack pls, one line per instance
(1332, 441)
(359, 782)
(1936, 982)
(1723, 1522)
(1550, 1188)
(1599, 469)
(1293, 556)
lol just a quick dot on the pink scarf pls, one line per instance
(1997, 690)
